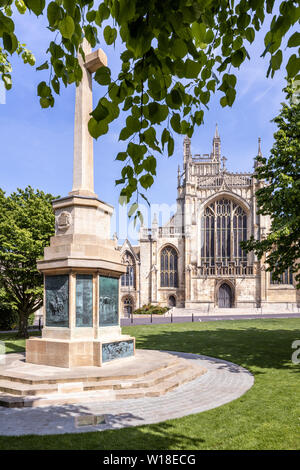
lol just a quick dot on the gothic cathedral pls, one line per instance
(195, 260)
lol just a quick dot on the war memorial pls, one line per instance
(82, 356)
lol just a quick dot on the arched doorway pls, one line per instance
(172, 301)
(127, 306)
(225, 296)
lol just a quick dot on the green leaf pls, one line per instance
(44, 102)
(211, 85)
(100, 112)
(103, 13)
(150, 165)
(7, 81)
(121, 156)
(230, 96)
(204, 97)
(43, 90)
(276, 60)
(192, 68)
(294, 40)
(209, 37)
(91, 16)
(37, 6)
(198, 31)
(7, 42)
(293, 66)
(223, 101)
(133, 124)
(237, 58)
(198, 117)
(97, 128)
(110, 35)
(175, 123)
(102, 76)
(55, 84)
(157, 112)
(179, 48)
(170, 146)
(165, 137)
(250, 34)
(54, 13)
(10, 42)
(124, 134)
(20, 6)
(67, 27)
(146, 181)
(69, 6)
(44, 66)
(136, 152)
(132, 209)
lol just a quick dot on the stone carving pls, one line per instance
(116, 350)
(63, 221)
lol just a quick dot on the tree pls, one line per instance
(26, 224)
(177, 53)
(280, 195)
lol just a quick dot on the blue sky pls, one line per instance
(37, 144)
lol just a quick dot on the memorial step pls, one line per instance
(164, 386)
(87, 375)
(148, 381)
(107, 383)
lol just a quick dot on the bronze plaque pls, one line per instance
(57, 300)
(108, 301)
(84, 300)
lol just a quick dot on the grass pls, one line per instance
(14, 344)
(266, 417)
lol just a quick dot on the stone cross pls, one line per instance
(83, 170)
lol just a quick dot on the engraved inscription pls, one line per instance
(84, 300)
(116, 350)
(108, 301)
(57, 300)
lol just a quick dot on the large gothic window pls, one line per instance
(128, 279)
(168, 267)
(285, 278)
(223, 227)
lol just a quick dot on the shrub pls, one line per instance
(151, 309)
(8, 319)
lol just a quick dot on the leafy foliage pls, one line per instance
(177, 53)
(151, 309)
(26, 224)
(279, 197)
(8, 317)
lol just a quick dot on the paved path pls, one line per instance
(223, 382)
(146, 319)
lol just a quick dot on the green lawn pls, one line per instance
(266, 417)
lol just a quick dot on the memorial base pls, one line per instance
(75, 353)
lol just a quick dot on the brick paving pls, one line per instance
(223, 382)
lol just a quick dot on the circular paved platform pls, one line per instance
(223, 382)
